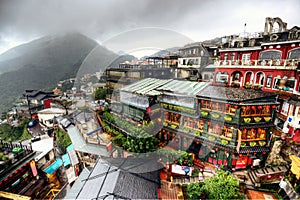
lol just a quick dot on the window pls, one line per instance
(246, 57)
(230, 109)
(269, 81)
(270, 55)
(232, 56)
(216, 106)
(260, 77)
(276, 83)
(227, 132)
(183, 61)
(206, 76)
(206, 104)
(201, 125)
(222, 77)
(294, 54)
(225, 56)
(285, 108)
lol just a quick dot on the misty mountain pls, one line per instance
(42, 63)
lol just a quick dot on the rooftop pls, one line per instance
(119, 180)
(233, 94)
(154, 86)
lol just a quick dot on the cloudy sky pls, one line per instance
(102, 20)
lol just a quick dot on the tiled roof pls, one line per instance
(254, 149)
(233, 94)
(117, 178)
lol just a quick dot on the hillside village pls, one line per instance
(176, 126)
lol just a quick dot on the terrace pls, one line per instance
(288, 64)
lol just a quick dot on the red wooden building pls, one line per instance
(267, 60)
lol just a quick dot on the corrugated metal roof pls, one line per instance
(146, 86)
(183, 87)
(154, 86)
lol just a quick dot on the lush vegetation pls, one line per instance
(220, 186)
(175, 157)
(63, 139)
(129, 136)
(100, 93)
(11, 133)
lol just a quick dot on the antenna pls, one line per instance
(245, 29)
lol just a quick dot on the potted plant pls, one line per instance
(247, 85)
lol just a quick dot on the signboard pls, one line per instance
(73, 157)
(109, 146)
(178, 169)
(282, 184)
(134, 99)
(238, 146)
(33, 168)
(71, 174)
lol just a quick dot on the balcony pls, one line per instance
(276, 63)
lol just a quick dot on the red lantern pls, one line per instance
(202, 101)
(259, 107)
(264, 152)
(253, 107)
(227, 105)
(236, 106)
(274, 106)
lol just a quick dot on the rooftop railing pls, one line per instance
(286, 63)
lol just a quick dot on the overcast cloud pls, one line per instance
(22, 21)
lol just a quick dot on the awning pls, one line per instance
(54, 166)
(66, 159)
(284, 97)
(294, 102)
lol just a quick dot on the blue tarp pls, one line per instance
(94, 131)
(54, 166)
(70, 148)
(66, 159)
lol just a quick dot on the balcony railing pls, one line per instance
(287, 63)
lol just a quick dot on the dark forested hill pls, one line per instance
(43, 62)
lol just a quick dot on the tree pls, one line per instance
(222, 186)
(66, 104)
(100, 93)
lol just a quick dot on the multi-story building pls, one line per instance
(193, 60)
(268, 61)
(220, 125)
(37, 100)
(126, 73)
